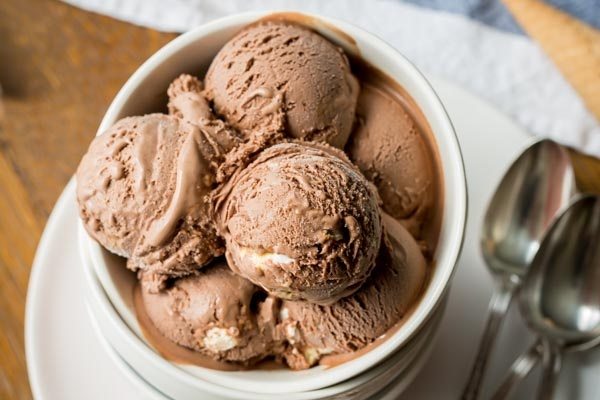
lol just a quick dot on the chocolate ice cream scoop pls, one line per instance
(217, 313)
(276, 75)
(389, 149)
(353, 322)
(300, 222)
(142, 191)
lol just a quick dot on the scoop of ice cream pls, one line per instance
(389, 148)
(300, 222)
(142, 191)
(276, 75)
(353, 322)
(216, 313)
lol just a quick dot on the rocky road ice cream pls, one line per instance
(216, 313)
(320, 244)
(300, 222)
(351, 323)
(142, 191)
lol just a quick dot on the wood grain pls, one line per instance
(59, 69)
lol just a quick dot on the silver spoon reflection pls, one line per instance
(538, 185)
(560, 296)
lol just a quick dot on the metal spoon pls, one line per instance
(538, 185)
(523, 365)
(560, 297)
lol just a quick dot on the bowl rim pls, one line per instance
(445, 264)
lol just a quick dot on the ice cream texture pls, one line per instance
(315, 188)
(300, 222)
(278, 76)
(216, 313)
(142, 190)
(353, 322)
(187, 101)
(389, 148)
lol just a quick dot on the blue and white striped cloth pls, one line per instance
(474, 43)
(493, 12)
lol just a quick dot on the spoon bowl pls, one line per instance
(532, 192)
(560, 296)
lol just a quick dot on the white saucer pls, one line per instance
(66, 359)
(145, 389)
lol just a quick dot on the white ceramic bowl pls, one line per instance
(192, 52)
(144, 389)
(401, 367)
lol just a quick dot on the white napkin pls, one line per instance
(508, 70)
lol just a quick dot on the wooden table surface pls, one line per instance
(59, 69)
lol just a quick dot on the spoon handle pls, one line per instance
(519, 370)
(497, 309)
(552, 361)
